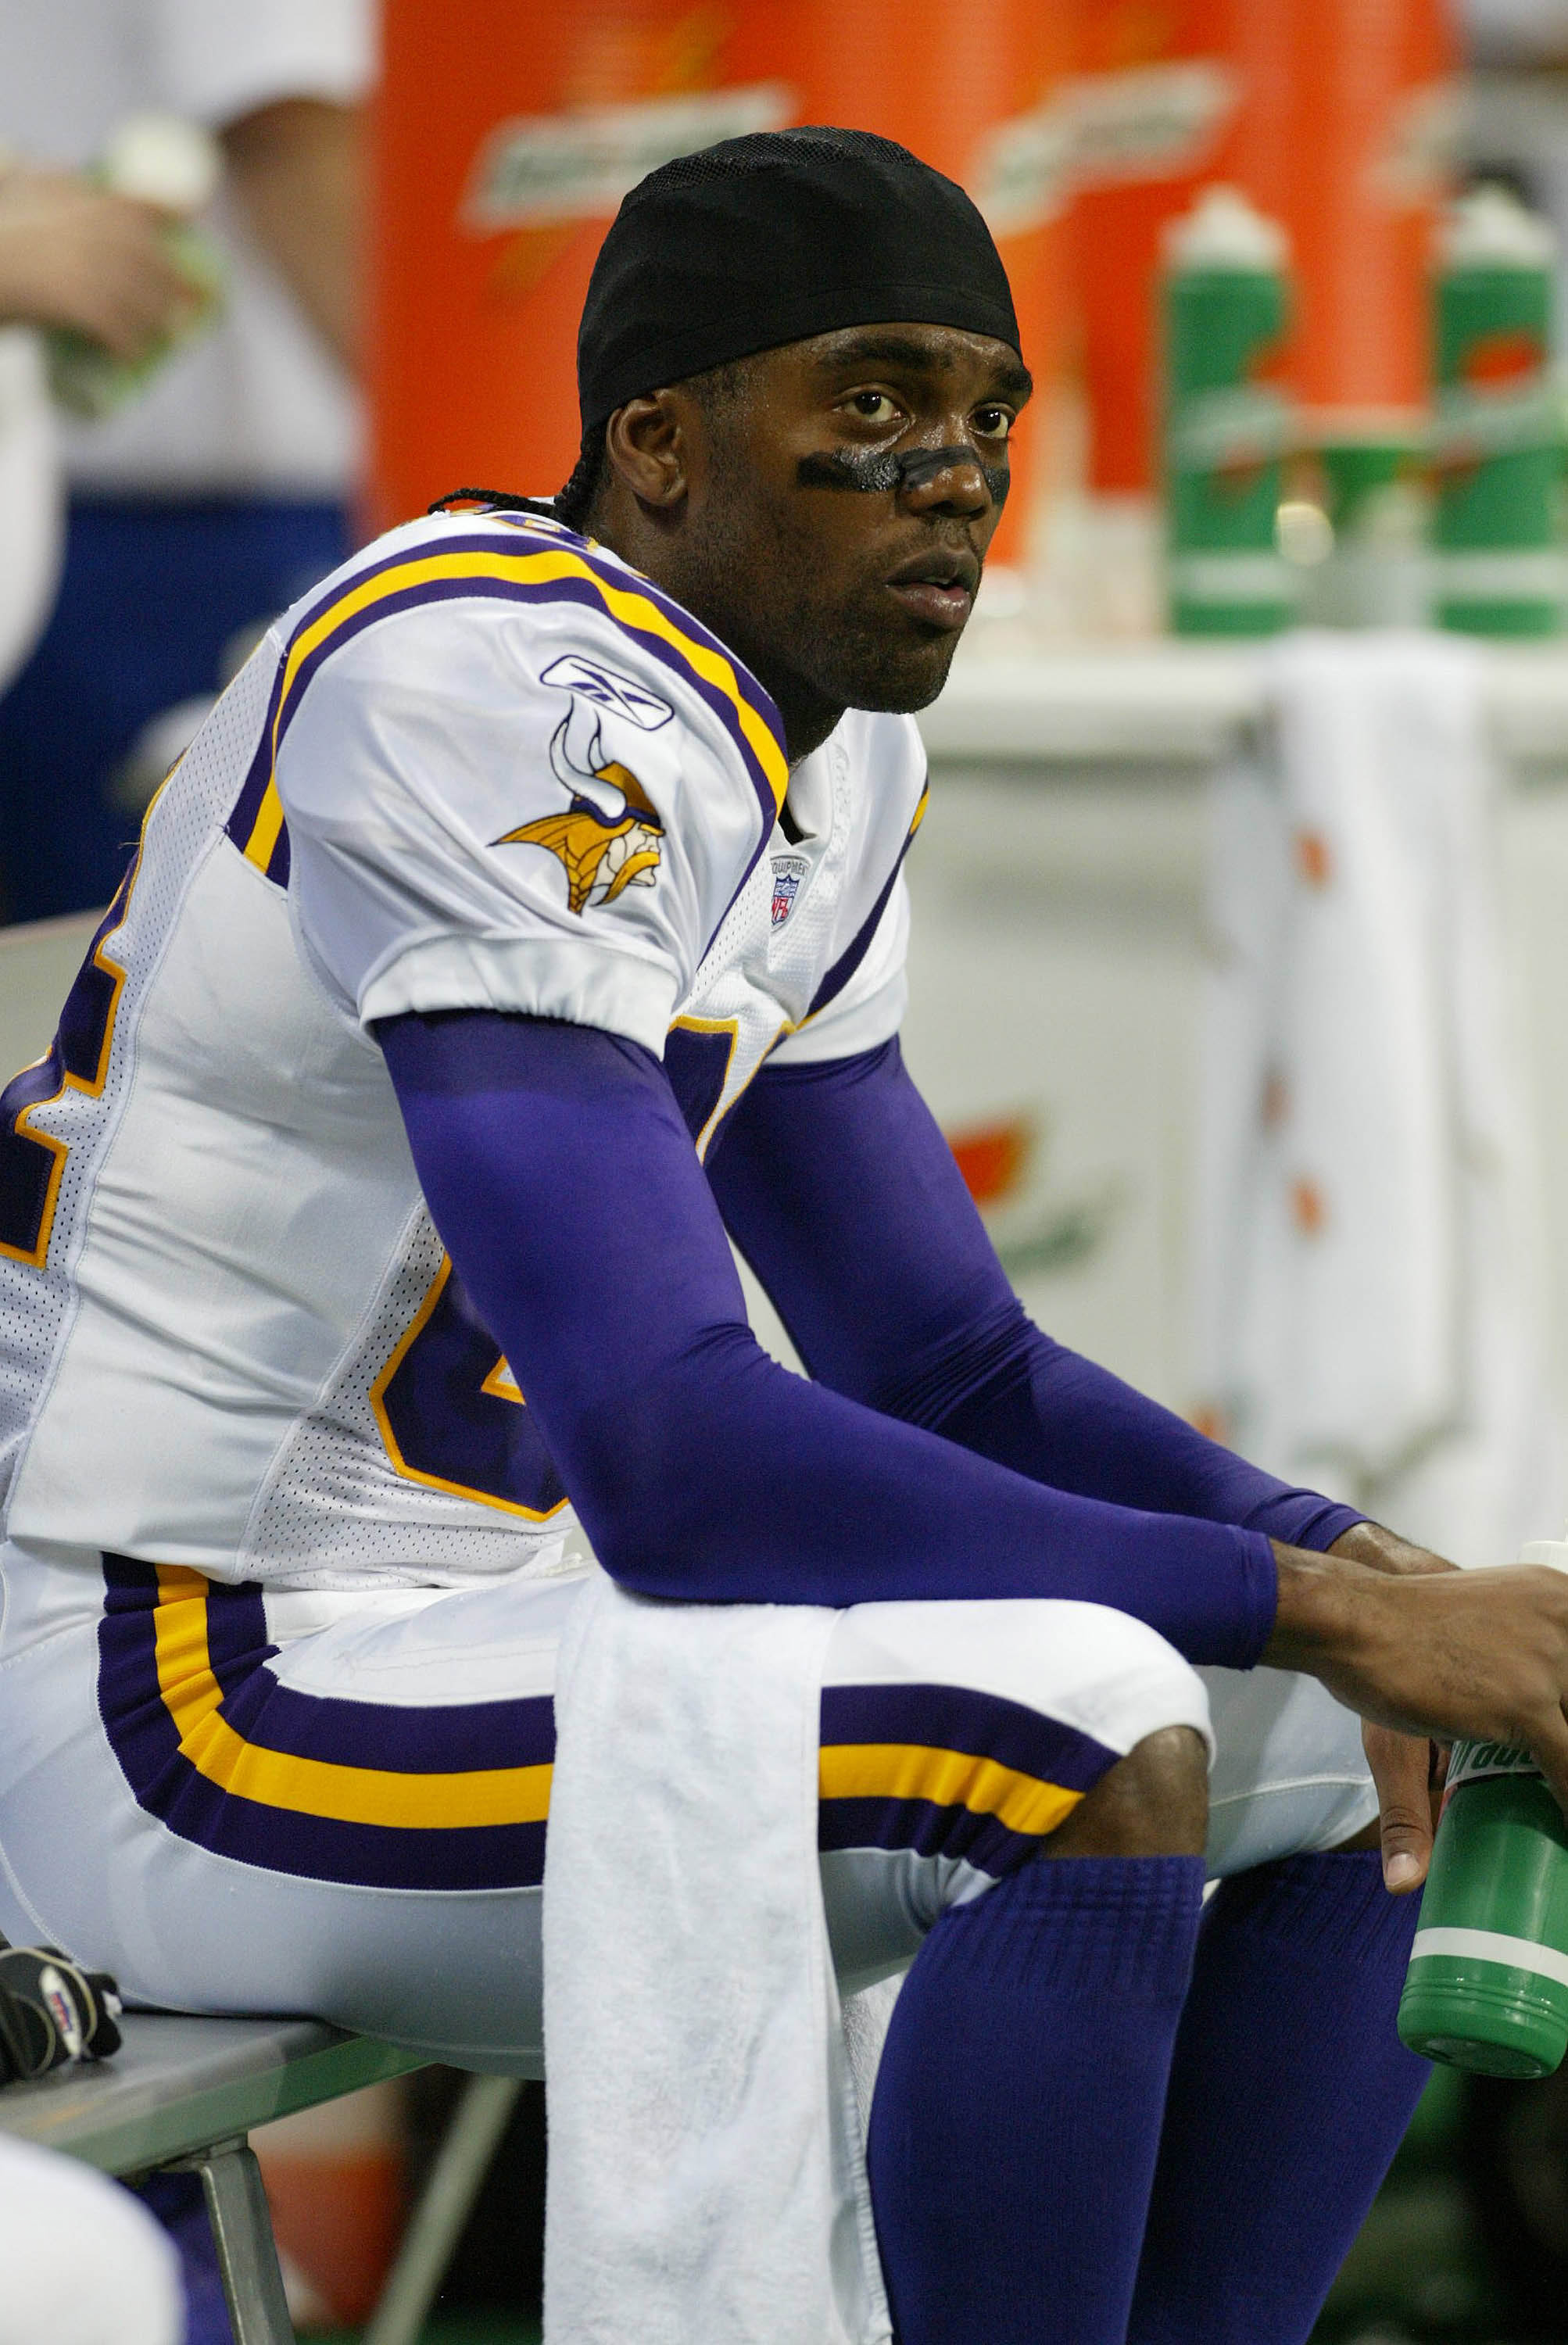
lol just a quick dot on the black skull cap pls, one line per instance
(772, 237)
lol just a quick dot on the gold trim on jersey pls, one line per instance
(266, 830)
(501, 1384)
(91, 1087)
(314, 1787)
(730, 1026)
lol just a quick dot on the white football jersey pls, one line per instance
(483, 765)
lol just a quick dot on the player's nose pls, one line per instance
(949, 479)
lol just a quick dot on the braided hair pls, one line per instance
(570, 505)
(718, 389)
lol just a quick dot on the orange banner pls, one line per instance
(507, 134)
(1344, 138)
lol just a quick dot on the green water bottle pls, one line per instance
(1487, 1988)
(1228, 423)
(1497, 434)
(1367, 467)
(160, 160)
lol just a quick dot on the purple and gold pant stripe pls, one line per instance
(451, 1796)
(456, 1795)
(948, 1771)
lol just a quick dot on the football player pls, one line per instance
(528, 914)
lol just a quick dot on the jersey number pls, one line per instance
(78, 1059)
(452, 1416)
(450, 1410)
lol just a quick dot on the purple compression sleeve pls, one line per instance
(563, 1180)
(840, 1190)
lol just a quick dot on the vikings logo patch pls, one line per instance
(789, 870)
(608, 838)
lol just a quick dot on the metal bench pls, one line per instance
(184, 2093)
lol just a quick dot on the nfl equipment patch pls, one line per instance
(789, 870)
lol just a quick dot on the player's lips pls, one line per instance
(937, 587)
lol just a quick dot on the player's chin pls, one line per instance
(898, 671)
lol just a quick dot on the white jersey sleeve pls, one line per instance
(515, 777)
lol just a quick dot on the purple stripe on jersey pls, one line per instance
(849, 960)
(445, 1738)
(248, 805)
(615, 573)
(553, 590)
(557, 591)
(955, 1718)
(925, 1829)
(340, 586)
(241, 821)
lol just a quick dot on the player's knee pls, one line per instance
(1153, 1802)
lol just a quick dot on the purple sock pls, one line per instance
(1290, 2094)
(1017, 2110)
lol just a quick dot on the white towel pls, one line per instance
(706, 2180)
(1368, 1250)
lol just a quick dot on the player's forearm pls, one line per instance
(838, 1186)
(726, 1478)
(1060, 1418)
(297, 167)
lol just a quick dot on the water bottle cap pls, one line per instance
(1553, 1553)
(160, 158)
(1489, 228)
(1223, 231)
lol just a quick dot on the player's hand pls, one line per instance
(1434, 1654)
(1408, 1774)
(73, 255)
(1408, 1770)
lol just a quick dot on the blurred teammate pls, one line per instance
(530, 910)
(207, 502)
(84, 2264)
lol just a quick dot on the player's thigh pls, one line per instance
(1290, 1776)
(956, 1737)
(336, 1803)
(330, 1804)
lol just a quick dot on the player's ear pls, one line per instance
(647, 443)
